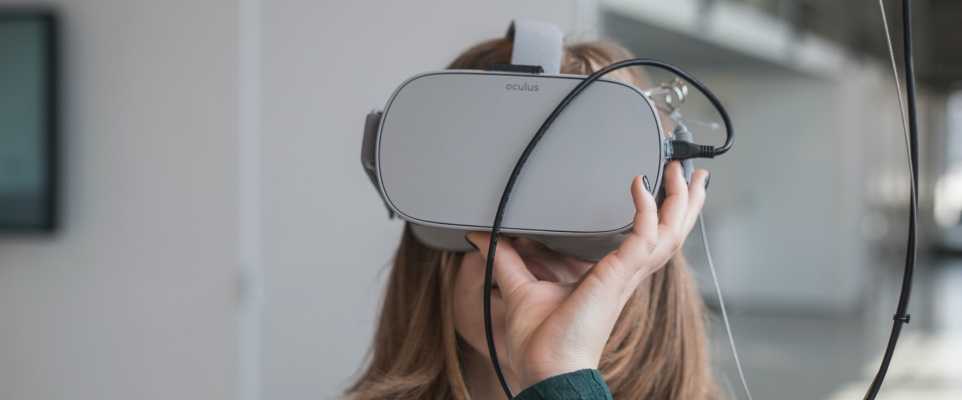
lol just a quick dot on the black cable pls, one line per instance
(901, 317)
(678, 150)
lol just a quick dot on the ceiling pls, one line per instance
(856, 25)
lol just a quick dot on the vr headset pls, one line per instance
(442, 148)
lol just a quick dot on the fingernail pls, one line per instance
(644, 180)
(470, 242)
(707, 180)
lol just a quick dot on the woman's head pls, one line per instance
(431, 317)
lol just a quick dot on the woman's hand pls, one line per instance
(554, 328)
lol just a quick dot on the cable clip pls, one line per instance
(903, 318)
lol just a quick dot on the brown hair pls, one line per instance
(657, 350)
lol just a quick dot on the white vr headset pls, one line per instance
(441, 150)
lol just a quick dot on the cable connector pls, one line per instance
(683, 150)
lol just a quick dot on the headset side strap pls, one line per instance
(371, 126)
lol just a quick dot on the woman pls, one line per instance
(630, 326)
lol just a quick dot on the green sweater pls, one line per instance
(585, 384)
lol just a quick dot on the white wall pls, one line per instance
(135, 297)
(789, 211)
(817, 173)
(327, 240)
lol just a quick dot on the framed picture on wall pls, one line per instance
(28, 120)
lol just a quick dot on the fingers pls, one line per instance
(646, 211)
(657, 234)
(644, 233)
(510, 272)
(696, 198)
(674, 208)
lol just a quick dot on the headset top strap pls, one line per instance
(536, 43)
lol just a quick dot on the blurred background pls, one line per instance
(211, 234)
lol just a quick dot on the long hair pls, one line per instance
(657, 349)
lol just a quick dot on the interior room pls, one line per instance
(184, 213)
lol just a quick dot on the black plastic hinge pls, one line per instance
(528, 69)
